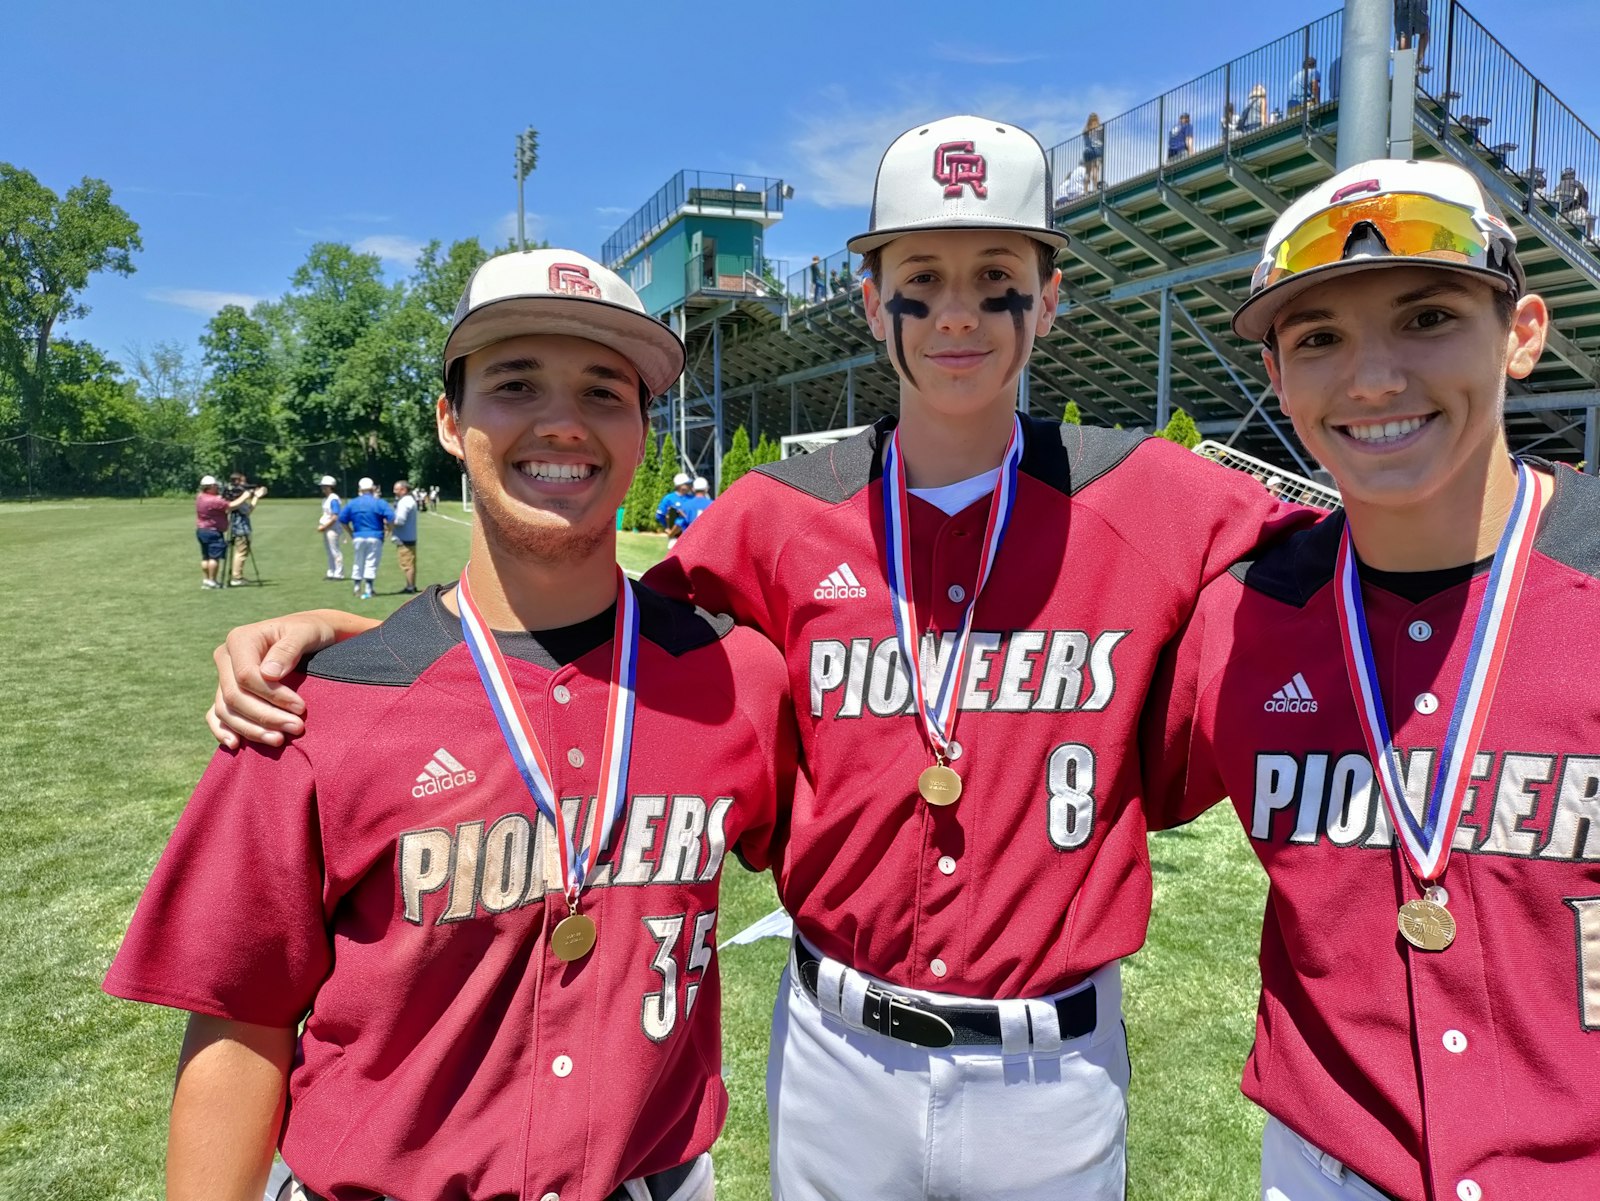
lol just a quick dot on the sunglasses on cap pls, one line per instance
(1411, 225)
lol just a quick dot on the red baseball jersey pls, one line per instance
(1422, 1071)
(388, 874)
(1039, 874)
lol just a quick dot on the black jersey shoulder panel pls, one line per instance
(1071, 457)
(835, 473)
(1570, 531)
(1296, 569)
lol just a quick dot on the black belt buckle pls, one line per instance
(901, 1019)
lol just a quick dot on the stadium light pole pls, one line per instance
(527, 159)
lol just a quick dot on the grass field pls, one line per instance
(104, 675)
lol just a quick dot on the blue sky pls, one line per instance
(238, 135)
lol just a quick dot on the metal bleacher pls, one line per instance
(1162, 250)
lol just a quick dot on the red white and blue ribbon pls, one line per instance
(1425, 841)
(937, 713)
(523, 743)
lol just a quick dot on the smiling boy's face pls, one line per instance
(959, 311)
(1395, 379)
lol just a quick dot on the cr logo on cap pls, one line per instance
(572, 279)
(955, 164)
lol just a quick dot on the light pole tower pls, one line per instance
(527, 160)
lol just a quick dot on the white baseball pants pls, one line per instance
(1295, 1169)
(330, 539)
(364, 556)
(855, 1114)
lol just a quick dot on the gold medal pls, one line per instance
(573, 937)
(939, 785)
(1426, 925)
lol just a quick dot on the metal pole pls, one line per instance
(1591, 441)
(1164, 364)
(1533, 155)
(716, 400)
(850, 397)
(1403, 103)
(1364, 83)
(522, 234)
(1024, 399)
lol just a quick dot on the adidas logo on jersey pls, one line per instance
(1293, 697)
(443, 772)
(841, 584)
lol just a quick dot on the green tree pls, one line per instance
(243, 425)
(1182, 430)
(667, 466)
(86, 435)
(1070, 415)
(639, 510)
(737, 459)
(49, 247)
(169, 385)
(768, 451)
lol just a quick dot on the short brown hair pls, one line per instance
(872, 262)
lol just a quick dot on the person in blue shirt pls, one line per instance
(670, 514)
(1180, 138)
(368, 516)
(691, 507)
(1306, 90)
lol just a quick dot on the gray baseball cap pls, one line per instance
(961, 173)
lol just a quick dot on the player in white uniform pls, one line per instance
(328, 526)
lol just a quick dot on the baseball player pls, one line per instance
(498, 925)
(966, 863)
(670, 513)
(367, 517)
(1414, 768)
(328, 527)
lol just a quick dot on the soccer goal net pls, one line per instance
(804, 444)
(1287, 484)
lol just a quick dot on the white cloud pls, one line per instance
(198, 300)
(505, 230)
(391, 248)
(840, 139)
(613, 210)
(982, 56)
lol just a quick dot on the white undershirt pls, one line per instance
(952, 498)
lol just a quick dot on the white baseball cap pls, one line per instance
(328, 481)
(562, 292)
(365, 484)
(680, 479)
(961, 173)
(1465, 202)
(208, 481)
(700, 484)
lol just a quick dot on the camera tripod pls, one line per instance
(249, 557)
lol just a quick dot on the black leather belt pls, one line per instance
(925, 1024)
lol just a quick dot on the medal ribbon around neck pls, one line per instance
(1426, 844)
(524, 746)
(937, 714)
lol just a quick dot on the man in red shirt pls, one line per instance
(1401, 704)
(211, 528)
(497, 925)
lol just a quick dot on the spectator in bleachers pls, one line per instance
(1572, 201)
(817, 285)
(1411, 28)
(1306, 90)
(1073, 187)
(1230, 121)
(846, 282)
(833, 282)
(1180, 138)
(1255, 110)
(1094, 148)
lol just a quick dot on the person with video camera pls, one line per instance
(242, 497)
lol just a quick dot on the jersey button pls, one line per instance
(1469, 1190)
(562, 697)
(947, 865)
(1426, 703)
(938, 968)
(575, 757)
(1455, 1042)
(956, 593)
(551, 1197)
(1420, 631)
(562, 1066)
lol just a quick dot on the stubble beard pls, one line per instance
(551, 543)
